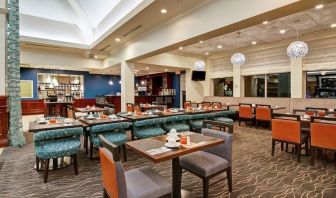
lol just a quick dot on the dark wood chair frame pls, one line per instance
(246, 119)
(298, 147)
(221, 125)
(258, 121)
(123, 147)
(45, 164)
(228, 170)
(315, 149)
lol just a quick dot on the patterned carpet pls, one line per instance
(255, 173)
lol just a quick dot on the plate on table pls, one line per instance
(173, 146)
(90, 118)
(42, 122)
(177, 139)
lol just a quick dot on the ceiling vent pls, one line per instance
(132, 30)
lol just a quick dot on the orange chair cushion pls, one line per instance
(129, 108)
(108, 172)
(245, 112)
(263, 113)
(323, 135)
(186, 105)
(286, 130)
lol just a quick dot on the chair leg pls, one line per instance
(306, 147)
(124, 152)
(256, 124)
(281, 146)
(312, 156)
(298, 148)
(91, 150)
(205, 187)
(229, 178)
(46, 169)
(105, 195)
(270, 125)
(37, 164)
(273, 147)
(239, 122)
(74, 158)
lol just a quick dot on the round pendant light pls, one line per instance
(199, 65)
(297, 49)
(238, 59)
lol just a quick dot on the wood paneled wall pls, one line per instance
(4, 121)
(33, 107)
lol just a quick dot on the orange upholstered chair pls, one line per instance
(319, 111)
(217, 105)
(114, 177)
(263, 113)
(323, 135)
(187, 104)
(287, 129)
(246, 113)
(129, 107)
(206, 105)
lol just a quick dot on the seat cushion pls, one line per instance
(203, 163)
(225, 120)
(114, 137)
(57, 148)
(147, 132)
(196, 123)
(178, 126)
(146, 183)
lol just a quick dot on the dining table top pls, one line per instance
(97, 121)
(154, 149)
(35, 126)
(88, 110)
(133, 117)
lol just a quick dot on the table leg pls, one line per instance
(176, 180)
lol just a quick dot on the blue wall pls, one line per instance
(93, 84)
(177, 87)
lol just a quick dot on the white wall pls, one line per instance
(3, 62)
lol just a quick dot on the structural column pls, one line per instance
(238, 82)
(127, 84)
(3, 13)
(297, 78)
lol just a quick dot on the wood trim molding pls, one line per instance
(4, 121)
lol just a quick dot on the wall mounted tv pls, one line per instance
(198, 75)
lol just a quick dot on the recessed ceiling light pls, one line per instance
(147, 67)
(206, 53)
(219, 47)
(333, 25)
(254, 42)
(166, 69)
(117, 39)
(265, 22)
(319, 6)
(163, 11)
(180, 48)
(200, 42)
(282, 31)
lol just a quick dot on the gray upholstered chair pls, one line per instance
(138, 183)
(212, 161)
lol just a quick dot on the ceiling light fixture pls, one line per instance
(163, 11)
(254, 42)
(206, 53)
(219, 46)
(282, 31)
(333, 25)
(200, 42)
(166, 70)
(319, 6)
(147, 67)
(180, 48)
(238, 59)
(117, 39)
(297, 49)
(265, 22)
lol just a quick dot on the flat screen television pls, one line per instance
(198, 75)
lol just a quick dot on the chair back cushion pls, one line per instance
(323, 135)
(129, 108)
(245, 112)
(263, 113)
(286, 130)
(58, 133)
(121, 126)
(113, 175)
(222, 150)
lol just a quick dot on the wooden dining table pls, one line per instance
(144, 147)
(89, 110)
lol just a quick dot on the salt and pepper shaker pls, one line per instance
(188, 140)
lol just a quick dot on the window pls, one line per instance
(255, 86)
(270, 85)
(223, 87)
(321, 84)
(278, 85)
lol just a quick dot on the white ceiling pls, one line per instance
(309, 21)
(77, 22)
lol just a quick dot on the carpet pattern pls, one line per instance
(255, 173)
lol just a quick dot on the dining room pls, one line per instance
(158, 98)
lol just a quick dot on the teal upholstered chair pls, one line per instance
(196, 121)
(148, 128)
(223, 116)
(177, 122)
(53, 144)
(113, 132)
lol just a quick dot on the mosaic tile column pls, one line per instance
(15, 132)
